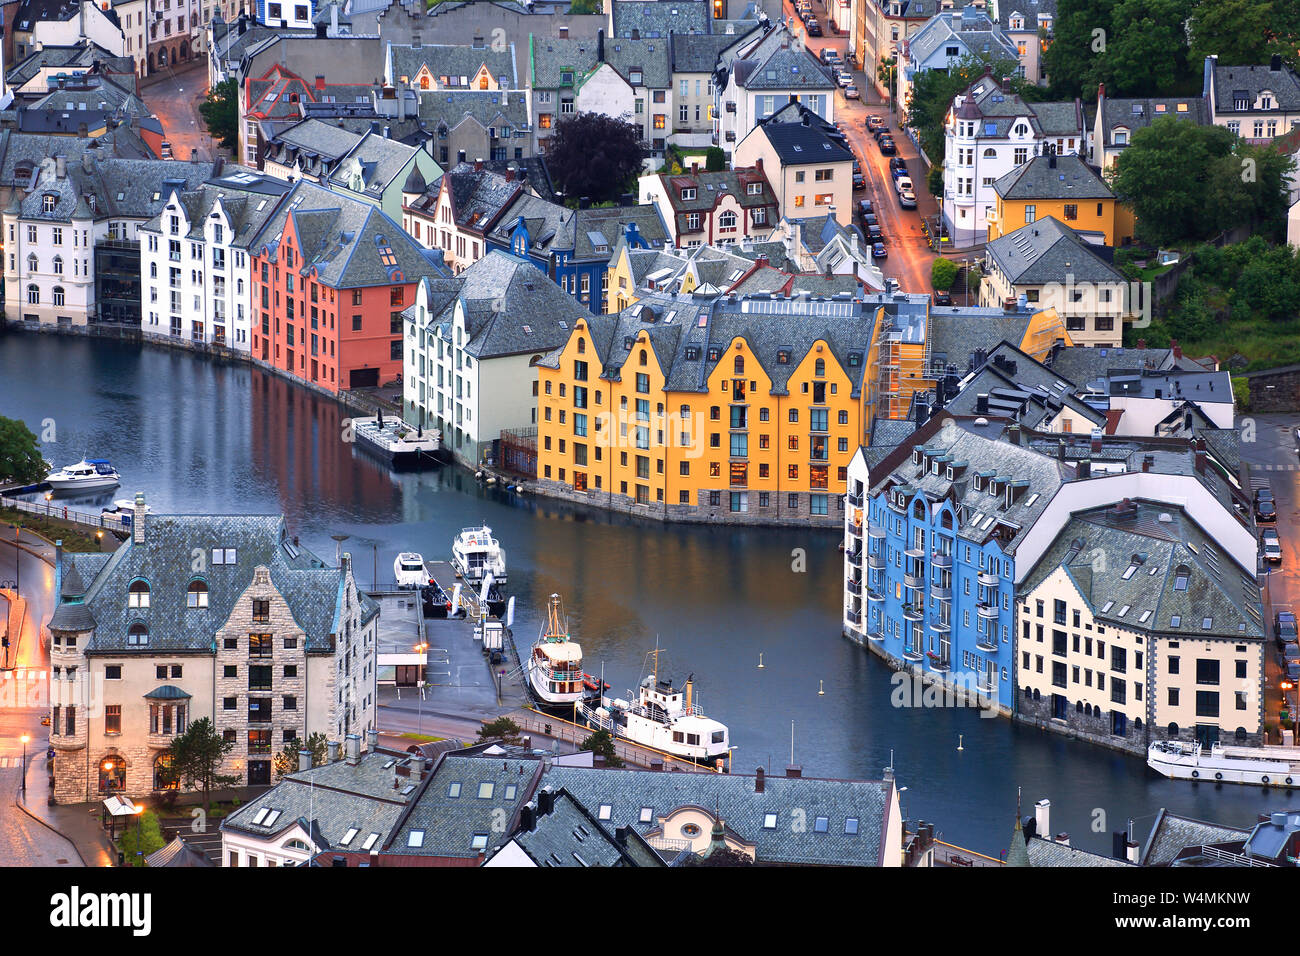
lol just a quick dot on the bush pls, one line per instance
(151, 838)
(715, 160)
(1241, 391)
(943, 273)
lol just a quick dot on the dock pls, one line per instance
(634, 754)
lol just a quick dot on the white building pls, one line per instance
(468, 366)
(195, 267)
(990, 131)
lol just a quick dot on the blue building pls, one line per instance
(575, 246)
(930, 585)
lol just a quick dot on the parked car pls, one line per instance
(874, 234)
(906, 199)
(897, 166)
(814, 28)
(941, 298)
(1290, 658)
(1265, 506)
(1284, 628)
(903, 182)
(874, 123)
(1272, 546)
(859, 182)
(829, 56)
(864, 207)
(887, 146)
(857, 166)
(869, 220)
(851, 92)
(878, 251)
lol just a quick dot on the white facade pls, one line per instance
(738, 109)
(133, 14)
(49, 269)
(90, 23)
(196, 287)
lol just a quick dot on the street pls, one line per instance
(910, 256)
(175, 100)
(1268, 445)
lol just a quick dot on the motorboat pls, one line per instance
(86, 475)
(555, 662)
(662, 717)
(400, 444)
(475, 554)
(408, 570)
(1260, 766)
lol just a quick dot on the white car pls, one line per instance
(903, 184)
(907, 199)
(851, 92)
(1272, 546)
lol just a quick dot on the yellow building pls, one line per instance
(1063, 188)
(689, 409)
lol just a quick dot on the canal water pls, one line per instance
(195, 436)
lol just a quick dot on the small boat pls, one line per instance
(408, 570)
(435, 601)
(663, 717)
(1258, 766)
(85, 475)
(400, 444)
(555, 663)
(475, 554)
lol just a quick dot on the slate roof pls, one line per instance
(488, 108)
(1070, 178)
(540, 316)
(312, 590)
(659, 18)
(122, 188)
(1251, 81)
(1086, 365)
(1217, 590)
(340, 239)
(1047, 250)
(698, 53)
(1048, 853)
(76, 58)
(956, 331)
(570, 835)
(549, 56)
(998, 112)
(329, 800)
(451, 60)
(1136, 114)
(378, 159)
(479, 196)
(178, 853)
(318, 145)
(649, 56)
(970, 28)
(1020, 388)
(1172, 833)
(1029, 9)
(797, 144)
(711, 187)
(626, 792)
(448, 823)
(248, 199)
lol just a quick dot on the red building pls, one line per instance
(330, 278)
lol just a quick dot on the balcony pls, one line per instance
(854, 585)
(938, 663)
(912, 654)
(855, 557)
(853, 617)
(940, 592)
(941, 560)
(855, 500)
(988, 579)
(876, 561)
(874, 595)
(986, 643)
(875, 531)
(875, 633)
(987, 611)
(913, 612)
(914, 581)
(916, 553)
(985, 683)
(940, 626)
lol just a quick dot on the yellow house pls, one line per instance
(687, 409)
(1063, 188)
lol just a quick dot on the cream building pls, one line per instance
(202, 616)
(810, 171)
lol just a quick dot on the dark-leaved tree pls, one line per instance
(220, 111)
(20, 459)
(594, 156)
(197, 756)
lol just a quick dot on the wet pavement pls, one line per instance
(175, 100)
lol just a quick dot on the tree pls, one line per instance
(220, 111)
(602, 744)
(1076, 44)
(150, 838)
(934, 180)
(943, 273)
(20, 460)
(1245, 32)
(1145, 51)
(715, 160)
(503, 728)
(887, 73)
(594, 156)
(197, 756)
(932, 92)
(585, 6)
(286, 761)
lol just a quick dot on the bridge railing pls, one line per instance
(52, 509)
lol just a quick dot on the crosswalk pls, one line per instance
(1275, 467)
(8, 762)
(23, 674)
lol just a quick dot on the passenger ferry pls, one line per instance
(475, 554)
(86, 475)
(555, 663)
(1258, 766)
(663, 717)
(400, 444)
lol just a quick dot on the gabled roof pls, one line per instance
(378, 161)
(550, 56)
(1048, 251)
(698, 53)
(659, 18)
(650, 56)
(799, 144)
(1068, 178)
(1230, 82)
(451, 61)
(1174, 832)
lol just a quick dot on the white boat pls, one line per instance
(398, 443)
(475, 554)
(1258, 766)
(408, 570)
(663, 717)
(86, 475)
(555, 663)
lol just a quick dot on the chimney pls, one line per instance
(545, 802)
(510, 174)
(793, 771)
(527, 817)
(478, 165)
(1013, 433)
(1198, 454)
(137, 519)
(320, 82)
(1051, 158)
(372, 740)
(1176, 348)
(1060, 449)
(1142, 343)
(1132, 851)
(1147, 462)
(304, 760)
(758, 781)
(1006, 84)
(87, 162)
(388, 132)
(982, 403)
(1084, 469)
(61, 167)
(194, 155)
(353, 742)
(1042, 815)
(321, 30)
(1063, 838)
(332, 751)
(1095, 444)
(334, 20)
(1275, 63)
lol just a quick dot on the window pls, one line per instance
(138, 594)
(261, 611)
(137, 635)
(197, 596)
(114, 672)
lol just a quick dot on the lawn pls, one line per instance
(75, 537)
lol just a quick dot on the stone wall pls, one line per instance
(1094, 729)
(1275, 390)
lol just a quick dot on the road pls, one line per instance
(1269, 447)
(910, 256)
(175, 101)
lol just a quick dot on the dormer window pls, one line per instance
(688, 194)
(48, 202)
(197, 596)
(137, 635)
(138, 594)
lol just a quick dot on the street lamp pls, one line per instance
(419, 687)
(49, 496)
(25, 738)
(139, 813)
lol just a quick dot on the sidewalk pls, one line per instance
(76, 823)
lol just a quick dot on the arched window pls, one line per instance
(32, 262)
(153, 270)
(1078, 707)
(296, 845)
(1173, 730)
(819, 369)
(112, 774)
(164, 777)
(1240, 734)
(138, 594)
(643, 359)
(58, 265)
(58, 295)
(33, 295)
(424, 82)
(945, 520)
(740, 365)
(582, 346)
(918, 509)
(1137, 725)
(990, 153)
(49, 201)
(198, 594)
(137, 635)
